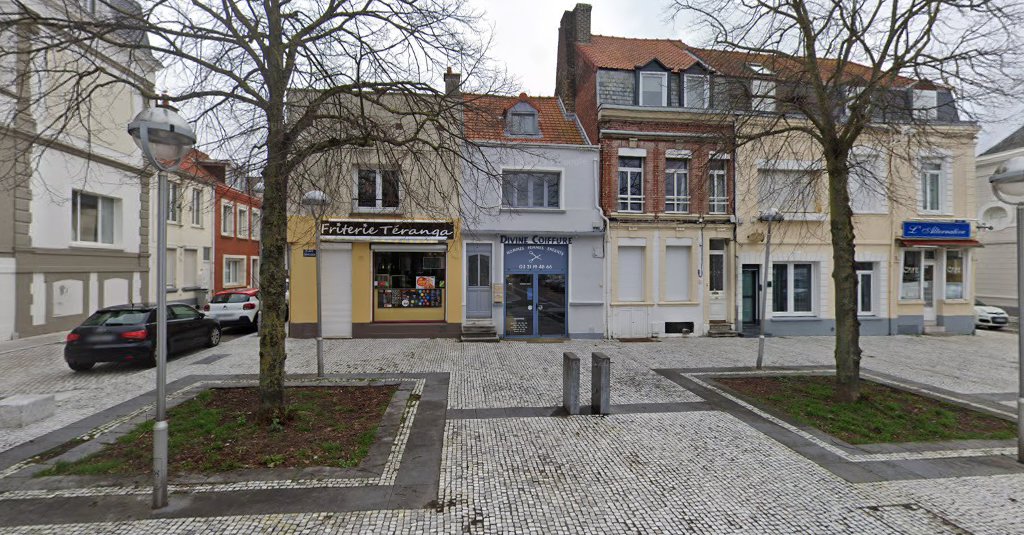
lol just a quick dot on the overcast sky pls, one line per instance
(526, 41)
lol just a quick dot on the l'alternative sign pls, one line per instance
(938, 230)
(410, 231)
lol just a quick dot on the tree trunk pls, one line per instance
(273, 236)
(844, 277)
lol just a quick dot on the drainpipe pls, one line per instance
(604, 246)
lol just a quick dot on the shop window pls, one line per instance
(788, 191)
(378, 189)
(677, 273)
(631, 184)
(677, 186)
(530, 189)
(792, 289)
(865, 288)
(93, 217)
(409, 279)
(910, 284)
(718, 196)
(630, 285)
(653, 89)
(954, 274)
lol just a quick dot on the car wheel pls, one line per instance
(81, 366)
(214, 338)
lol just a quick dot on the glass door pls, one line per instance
(519, 305)
(551, 305)
(928, 290)
(750, 294)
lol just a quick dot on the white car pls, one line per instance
(991, 317)
(235, 308)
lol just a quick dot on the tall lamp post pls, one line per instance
(164, 138)
(769, 217)
(316, 200)
(258, 189)
(1008, 186)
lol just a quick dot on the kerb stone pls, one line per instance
(22, 409)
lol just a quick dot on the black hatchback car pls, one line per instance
(127, 333)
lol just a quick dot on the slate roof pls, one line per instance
(485, 120)
(1010, 142)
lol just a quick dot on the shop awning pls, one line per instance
(911, 242)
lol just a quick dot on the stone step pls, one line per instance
(722, 334)
(480, 338)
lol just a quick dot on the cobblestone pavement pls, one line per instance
(703, 472)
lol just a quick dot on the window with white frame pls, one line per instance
(173, 211)
(931, 185)
(631, 184)
(718, 194)
(630, 287)
(257, 223)
(254, 264)
(955, 266)
(865, 288)
(677, 273)
(190, 268)
(696, 91)
(243, 222)
(762, 95)
(378, 189)
(926, 105)
(234, 271)
(910, 282)
(94, 218)
(197, 207)
(653, 89)
(530, 189)
(227, 219)
(793, 288)
(172, 267)
(677, 186)
(788, 190)
(867, 185)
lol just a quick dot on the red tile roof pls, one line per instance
(627, 54)
(191, 167)
(485, 120)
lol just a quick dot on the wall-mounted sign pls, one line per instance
(409, 231)
(536, 259)
(943, 230)
(309, 253)
(536, 240)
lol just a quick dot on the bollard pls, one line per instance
(600, 383)
(571, 382)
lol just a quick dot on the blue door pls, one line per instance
(535, 290)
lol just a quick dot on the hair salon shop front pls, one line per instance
(380, 278)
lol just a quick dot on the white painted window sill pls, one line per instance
(795, 318)
(96, 245)
(512, 210)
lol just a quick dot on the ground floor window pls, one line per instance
(234, 271)
(865, 288)
(954, 274)
(910, 284)
(792, 288)
(409, 279)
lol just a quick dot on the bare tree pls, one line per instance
(841, 71)
(279, 88)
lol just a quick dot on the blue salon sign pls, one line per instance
(937, 230)
(536, 259)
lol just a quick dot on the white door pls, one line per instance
(337, 290)
(478, 281)
(716, 284)
(928, 288)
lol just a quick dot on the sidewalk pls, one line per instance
(32, 342)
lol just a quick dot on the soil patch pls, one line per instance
(217, 431)
(882, 414)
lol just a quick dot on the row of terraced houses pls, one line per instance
(624, 207)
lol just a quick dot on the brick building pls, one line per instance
(236, 235)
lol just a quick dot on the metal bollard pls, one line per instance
(600, 383)
(571, 382)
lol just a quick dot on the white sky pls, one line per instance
(526, 41)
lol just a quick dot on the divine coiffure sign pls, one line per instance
(937, 230)
(371, 230)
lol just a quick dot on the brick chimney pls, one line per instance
(452, 80)
(574, 28)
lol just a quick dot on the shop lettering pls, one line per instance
(411, 231)
(938, 229)
(536, 240)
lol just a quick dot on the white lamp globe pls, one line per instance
(1008, 181)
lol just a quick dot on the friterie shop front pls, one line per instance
(385, 278)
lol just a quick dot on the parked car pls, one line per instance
(127, 333)
(991, 317)
(235, 307)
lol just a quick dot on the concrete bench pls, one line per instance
(22, 409)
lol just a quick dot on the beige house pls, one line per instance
(996, 276)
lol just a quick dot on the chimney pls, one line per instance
(581, 21)
(574, 28)
(452, 80)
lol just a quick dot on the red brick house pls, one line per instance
(238, 217)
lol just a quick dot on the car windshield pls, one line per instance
(230, 298)
(117, 317)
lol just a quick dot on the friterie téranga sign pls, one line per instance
(370, 230)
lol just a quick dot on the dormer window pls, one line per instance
(696, 93)
(653, 89)
(759, 69)
(926, 105)
(521, 120)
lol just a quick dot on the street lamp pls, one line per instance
(258, 189)
(165, 138)
(1008, 186)
(769, 217)
(316, 200)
